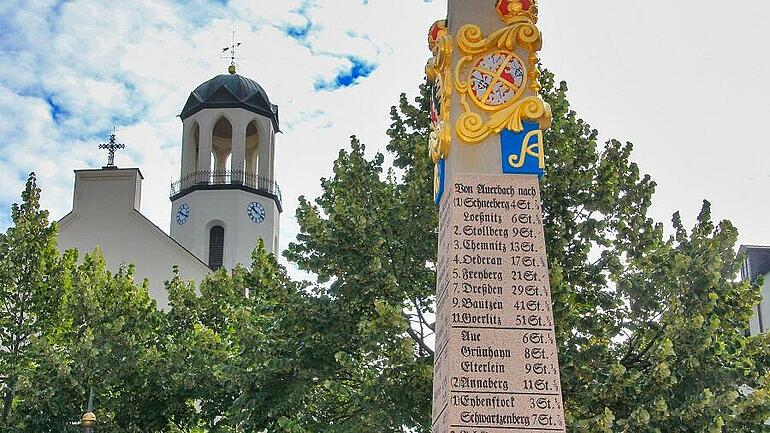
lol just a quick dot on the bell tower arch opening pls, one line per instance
(191, 145)
(252, 149)
(195, 144)
(221, 149)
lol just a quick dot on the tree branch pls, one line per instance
(626, 361)
(412, 333)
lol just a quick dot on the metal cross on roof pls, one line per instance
(111, 147)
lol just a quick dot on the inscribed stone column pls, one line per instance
(496, 366)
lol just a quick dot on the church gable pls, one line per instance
(105, 214)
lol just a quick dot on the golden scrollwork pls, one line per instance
(471, 40)
(471, 127)
(439, 74)
(491, 74)
(442, 55)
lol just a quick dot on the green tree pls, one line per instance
(67, 328)
(107, 340)
(240, 348)
(371, 241)
(216, 361)
(33, 280)
(650, 327)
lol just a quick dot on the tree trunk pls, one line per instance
(7, 400)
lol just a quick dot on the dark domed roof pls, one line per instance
(231, 91)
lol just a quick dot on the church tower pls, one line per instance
(226, 198)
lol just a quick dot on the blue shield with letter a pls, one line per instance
(522, 152)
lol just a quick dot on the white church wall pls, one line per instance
(760, 322)
(229, 209)
(106, 214)
(754, 323)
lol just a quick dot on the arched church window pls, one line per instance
(216, 247)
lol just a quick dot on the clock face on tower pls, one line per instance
(183, 214)
(256, 212)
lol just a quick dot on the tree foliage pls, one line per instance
(67, 328)
(32, 282)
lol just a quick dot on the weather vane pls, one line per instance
(229, 53)
(111, 147)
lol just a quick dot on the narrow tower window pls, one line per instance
(216, 247)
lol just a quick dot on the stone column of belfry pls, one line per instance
(496, 367)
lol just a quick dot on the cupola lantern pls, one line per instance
(226, 198)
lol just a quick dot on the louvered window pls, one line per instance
(216, 247)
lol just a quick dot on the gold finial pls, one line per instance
(88, 421)
(231, 56)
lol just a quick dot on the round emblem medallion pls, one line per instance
(497, 79)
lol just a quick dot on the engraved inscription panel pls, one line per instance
(496, 367)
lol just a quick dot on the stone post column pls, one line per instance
(204, 152)
(188, 148)
(265, 149)
(496, 367)
(238, 159)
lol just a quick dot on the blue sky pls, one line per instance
(686, 84)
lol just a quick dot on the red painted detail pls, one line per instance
(503, 5)
(434, 30)
(505, 75)
(433, 113)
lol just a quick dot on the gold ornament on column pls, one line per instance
(439, 76)
(439, 73)
(499, 74)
